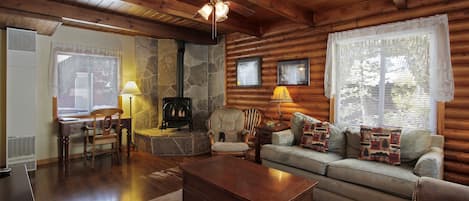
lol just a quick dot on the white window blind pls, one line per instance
(86, 82)
(384, 81)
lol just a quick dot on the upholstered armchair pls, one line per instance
(227, 133)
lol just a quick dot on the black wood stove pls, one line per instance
(177, 111)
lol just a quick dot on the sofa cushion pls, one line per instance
(315, 136)
(298, 157)
(352, 148)
(337, 140)
(381, 144)
(297, 122)
(284, 137)
(414, 143)
(396, 180)
(229, 146)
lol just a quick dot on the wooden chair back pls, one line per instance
(253, 118)
(106, 126)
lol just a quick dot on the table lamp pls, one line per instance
(281, 95)
(131, 89)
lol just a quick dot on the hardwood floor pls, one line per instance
(109, 181)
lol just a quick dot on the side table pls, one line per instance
(264, 136)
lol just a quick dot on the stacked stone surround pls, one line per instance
(156, 77)
(196, 82)
(145, 112)
(216, 76)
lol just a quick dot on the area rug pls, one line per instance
(174, 196)
(170, 173)
(171, 176)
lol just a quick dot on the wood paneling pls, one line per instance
(107, 19)
(289, 41)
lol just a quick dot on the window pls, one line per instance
(85, 82)
(391, 74)
(385, 82)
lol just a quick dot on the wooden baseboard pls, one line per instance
(48, 161)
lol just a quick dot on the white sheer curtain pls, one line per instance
(59, 47)
(441, 83)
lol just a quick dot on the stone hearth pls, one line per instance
(172, 142)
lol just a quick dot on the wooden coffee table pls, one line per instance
(229, 178)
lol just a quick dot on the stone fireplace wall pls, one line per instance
(145, 107)
(167, 60)
(156, 77)
(216, 76)
(196, 82)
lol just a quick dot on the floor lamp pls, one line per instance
(131, 89)
(281, 95)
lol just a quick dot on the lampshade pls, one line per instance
(221, 11)
(205, 11)
(131, 88)
(281, 95)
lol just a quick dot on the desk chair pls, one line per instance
(105, 133)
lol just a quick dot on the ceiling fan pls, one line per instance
(218, 10)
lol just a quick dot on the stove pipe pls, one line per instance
(180, 68)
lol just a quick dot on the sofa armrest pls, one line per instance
(284, 138)
(429, 189)
(430, 164)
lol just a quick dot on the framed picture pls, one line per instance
(248, 72)
(293, 72)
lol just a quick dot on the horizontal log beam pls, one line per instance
(76, 13)
(287, 9)
(38, 24)
(188, 11)
(400, 4)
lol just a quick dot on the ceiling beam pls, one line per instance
(188, 11)
(286, 9)
(42, 24)
(400, 4)
(155, 29)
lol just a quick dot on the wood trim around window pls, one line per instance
(55, 114)
(440, 120)
(331, 110)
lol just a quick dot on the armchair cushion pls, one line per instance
(430, 164)
(229, 121)
(229, 146)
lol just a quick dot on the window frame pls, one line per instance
(437, 109)
(55, 106)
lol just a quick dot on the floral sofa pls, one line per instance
(342, 176)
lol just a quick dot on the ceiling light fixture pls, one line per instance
(219, 12)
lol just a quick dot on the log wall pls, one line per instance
(288, 41)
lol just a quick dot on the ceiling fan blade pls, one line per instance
(241, 9)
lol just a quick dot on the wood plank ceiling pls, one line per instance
(165, 18)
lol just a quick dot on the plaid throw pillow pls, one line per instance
(380, 144)
(315, 136)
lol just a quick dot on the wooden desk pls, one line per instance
(233, 179)
(17, 186)
(68, 128)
